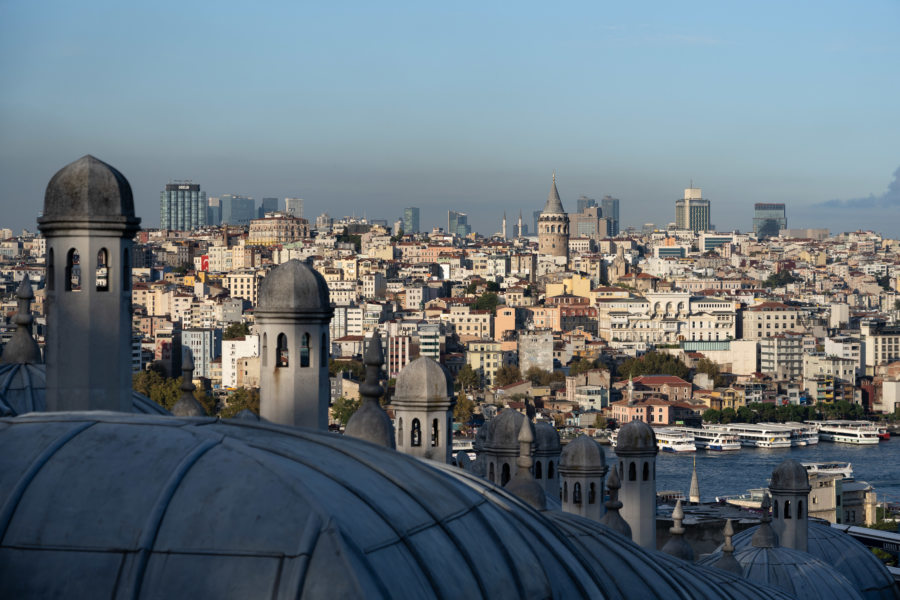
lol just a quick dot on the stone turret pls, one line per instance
(790, 496)
(582, 468)
(694, 492)
(370, 422)
(677, 546)
(423, 410)
(89, 224)
(612, 518)
(637, 450)
(553, 226)
(727, 562)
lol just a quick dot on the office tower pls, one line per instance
(268, 205)
(411, 220)
(214, 212)
(458, 223)
(237, 210)
(585, 202)
(587, 224)
(768, 219)
(182, 206)
(692, 211)
(610, 210)
(294, 206)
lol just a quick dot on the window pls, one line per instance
(565, 492)
(646, 471)
(282, 354)
(787, 509)
(102, 274)
(50, 270)
(632, 472)
(491, 472)
(400, 431)
(415, 436)
(504, 475)
(592, 494)
(265, 349)
(73, 271)
(304, 351)
(550, 470)
(434, 433)
(537, 470)
(800, 509)
(775, 510)
(576, 493)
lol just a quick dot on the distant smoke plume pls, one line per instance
(889, 199)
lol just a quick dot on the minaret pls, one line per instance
(22, 347)
(519, 225)
(293, 313)
(694, 493)
(790, 494)
(582, 468)
(89, 224)
(504, 225)
(553, 226)
(370, 422)
(637, 450)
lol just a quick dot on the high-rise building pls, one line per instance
(182, 206)
(411, 220)
(458, 223)
(268, 205)
(584, 202)
(237, 210)
(692, 211)
(768, 219)
(587, 224)
(610, 210)
(214, 212)
(294, 206)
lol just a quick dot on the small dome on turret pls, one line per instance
(790, 476)
(636, 436)
(424, 379)
(503, 430)
(88, 189)
(546, 438)
(582, 453)
(293, 287)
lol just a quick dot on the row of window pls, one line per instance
(415, 433)
(282, 352)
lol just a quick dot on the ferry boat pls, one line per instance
(802, 434)
(708, 439)
(757, 435)
(883, 433)
(465, 445)
(672, 439)
(847, 432)
(844, 469)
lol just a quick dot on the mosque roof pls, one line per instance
(150, 506)
(293, 286)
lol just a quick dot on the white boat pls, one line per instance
(674, 439)
(757, 435)
(844, 469)
(802, 434)
(708, 439)
(847, 432)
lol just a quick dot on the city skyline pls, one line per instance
(439, 108)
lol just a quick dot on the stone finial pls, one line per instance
(370, 422)
(612, 518)
(677, 546)
(694, 493)
(463, 461)
(187, 405)
(727, 562)
(523, 484)
(765, 536)
(22, 348)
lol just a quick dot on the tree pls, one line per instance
(729, 415)
(600, 421)
(653, 363)
(487, 301)
(165, 391)
(708, 367)
(343, 409)
(884, 282)
(240, 399)
(236, 331)
(776, 280)
(582, 365)
(467, 378)
(493, 286)
(538, 376)
(507, 375)
(464, 408)
(356, 369)
(712, 416)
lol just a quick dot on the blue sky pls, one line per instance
(370, 107)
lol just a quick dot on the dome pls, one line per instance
(23, 390)
(503, 431)
(789, 476)
(422, 380)
(583, 454)
(546, 439)
(797, 573)
(285, 512)
(372, 424)
(88, 190)
(631, 571)
(636, 436)
(843, 553)
(293, 287)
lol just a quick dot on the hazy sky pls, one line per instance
(370, 107)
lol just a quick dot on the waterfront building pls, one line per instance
(692, 211)
(182, 207)
(768, 219)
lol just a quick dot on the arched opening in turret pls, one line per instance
(632, 472)
(304, 350)
(550, 473)
(282, 353)
(800, 509)
(323, 351)
(491, 473)
(775, 509)
(434, 433)
(565, 491)
(576, 493)
(73, 271)
(400, 431)
(538, 473)
(415, 435)
(787, 509)
(51, 272)
(504, 474)
(265, 350)
(126, 270)
(592, 494)
(101, 276)
(646, 471)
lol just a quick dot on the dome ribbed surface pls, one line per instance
(583, 453)
(790, 475)
(293, 287)
(423, 379)
(636, 436)
(88, 189)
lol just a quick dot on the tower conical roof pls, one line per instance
(554, 205)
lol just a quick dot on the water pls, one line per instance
(731, 473)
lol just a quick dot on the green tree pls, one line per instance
(236, 331)
(582, 365)
(343, 409)
(464, 408)
(653, 363)
(240, 399)
(507, 375)
(356, 369)
(467, 378)
(728, 415)
(781, 279)
(600, 421)
(710, 368)
(487, 301)
(162, 390)
(884, 282)
(712, 416)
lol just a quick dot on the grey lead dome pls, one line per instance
(291, 287)
(790, 476)
(422, 379)
(88, 189)
(636, 436)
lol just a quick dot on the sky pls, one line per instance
(365, 108)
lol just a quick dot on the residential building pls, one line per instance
(881, 342)
(232, 352)
(769, 319)
(205, 346)
(781, 356)
(278, 228)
